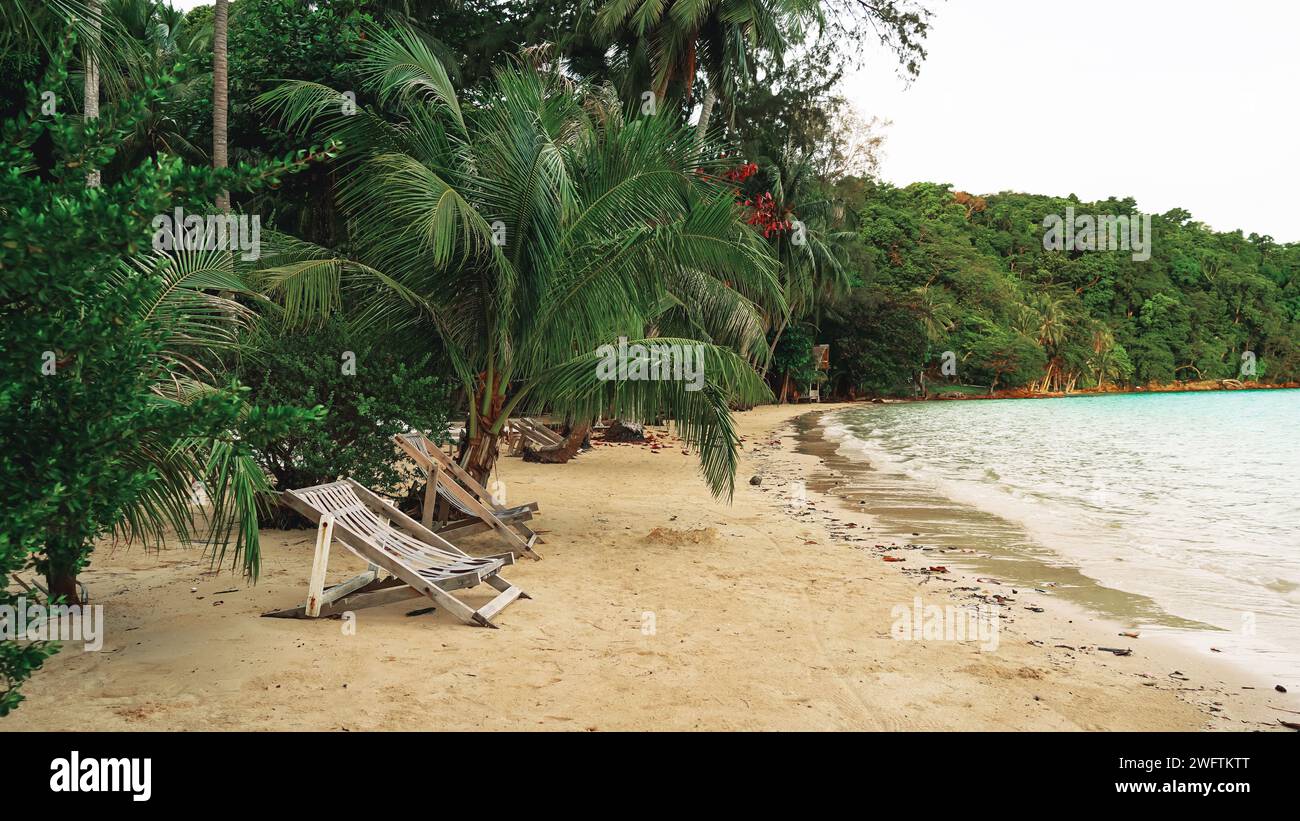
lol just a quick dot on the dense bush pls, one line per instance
(875, 339)
(370, 390)
(984, 287)
(793, 358)
(106, 428)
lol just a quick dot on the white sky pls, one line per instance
(1186, 103)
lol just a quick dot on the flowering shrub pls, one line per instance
(766, 216)
(764, 213)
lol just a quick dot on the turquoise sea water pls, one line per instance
(1178, 512)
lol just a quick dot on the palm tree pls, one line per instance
(675, 37)
(220, 93)
(811, 272)
(199, 310)
(529, 233)
(1045, 317)
(155, 36)
(38, 27)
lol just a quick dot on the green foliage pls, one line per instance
(107, 424)
(876, 342)
(271, 41)
(528, 232)
(661, 43)
(793, 356)
(371, 391)
(989, 291)
(1002, 356)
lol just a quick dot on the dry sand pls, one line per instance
(761, 621)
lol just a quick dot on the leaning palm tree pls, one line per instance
(530, 232)
(1045, 316)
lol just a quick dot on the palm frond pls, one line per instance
(700, 410)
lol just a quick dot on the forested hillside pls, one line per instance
(941, 270)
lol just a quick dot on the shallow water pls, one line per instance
(1178, 513)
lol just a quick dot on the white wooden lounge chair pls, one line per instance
(450, 481)
(527, 431)
(421, 562)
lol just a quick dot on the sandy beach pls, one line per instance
(655, 607)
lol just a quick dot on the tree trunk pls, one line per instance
(478, 455)
(220, 93)
(620, 431)
(706, 112)
(771, 352)
(90, 96)
(63, 587)
(60, 565)
(562, 454)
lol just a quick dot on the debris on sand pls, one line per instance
(672, 536)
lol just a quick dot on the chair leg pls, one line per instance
(319, 564)
(485, 613)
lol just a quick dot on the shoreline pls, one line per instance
(654, 607)
(1173, 644)
(1204, 386)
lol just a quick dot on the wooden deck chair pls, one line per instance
(450, 481)
(542, 430)
(527, 431)
(421, 562)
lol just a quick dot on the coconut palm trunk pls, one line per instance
(771, 351)
(220, 92)
(706, 112)
(479, 454)
(90, 97)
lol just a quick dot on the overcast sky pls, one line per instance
(1188, 103)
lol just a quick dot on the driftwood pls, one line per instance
(561, 453)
